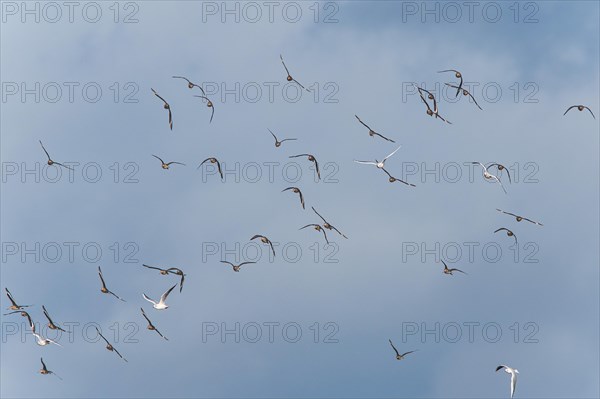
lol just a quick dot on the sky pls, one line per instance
(315, 320)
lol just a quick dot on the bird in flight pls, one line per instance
(519, 218)
(14, 305)
(213, 160)
(311, 158)
(489, 176)
(109, 346)
(513, 377)
(450, 271)
(171, 270)
(289, 76)
(44, 370)
(327, 225)
(210, 105)
(236, 268)
(398, 355)
(51, 324)
(431, 112)
(458, 75)
(50, 161)
(151, 326)
(160, 305)
(372, 132)
(318, 228)
(165, 165)
(297, 191)
(277, 142)
(508, 233)
(465, 92)
(105, 290)
(190, 85)
(40, 340)
(165, 106)
(393, 179)
(500, 168)
(264, 240)
(378, 164)
(580, 108)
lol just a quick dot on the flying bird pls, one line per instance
(465, 92)
(372, 132)
(166, 165)
(212, 160)
(378, 164)
(318, 228)
(297, 191)
(450, 271)
(500, 168)
(519, 218)
(393, 179)
(327, 225)
(431, 112)
(160, 305)
(458, 76)
(210, 105)
(151, 326)
(14, 305)
(171, 270)
(513, 377)
(580, 108)
(289, 76)
(311, 158)
(190, 85)
(236, 268)
(264, 240)
(40, 340)
(105, 290)
(398, 355)
(109, 345)
(508, 233)
(489, 176)
(44, 370)
(51, 323)
(277, 142)
(50, 161)
(165, 106)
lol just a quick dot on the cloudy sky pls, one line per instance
(314, 321)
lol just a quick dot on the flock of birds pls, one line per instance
(432, 109)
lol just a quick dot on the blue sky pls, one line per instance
(362, 64)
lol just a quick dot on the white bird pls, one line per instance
(489, 176)
(513, 377)
(40, 340)
(381, 164)
(160, 305)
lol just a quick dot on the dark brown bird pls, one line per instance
(392, 179)
(210, 105)
(44, 370)
(105, 290)
(51, 324)
(236, 268)
(191, 85)
(520, 218)
(212, 160)
(580, 108)
(297, 191)
(50, 161)
(508, 233)
(109, 345)
(14, 305)
(434, 111)
(327, 225)
(465, 92)
(372, 132)
(165, 106)
(450, 271)
(458, 76)
(312, 159)
(264, 240)
(277, 142)
(500, 168)
(167, 164)
(398, 355)
(171, 270)
(151, 326)
(289, 76)
(318, 228)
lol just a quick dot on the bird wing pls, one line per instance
(149, 299)
(393, 152)
(164, 296)
(395, 350)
